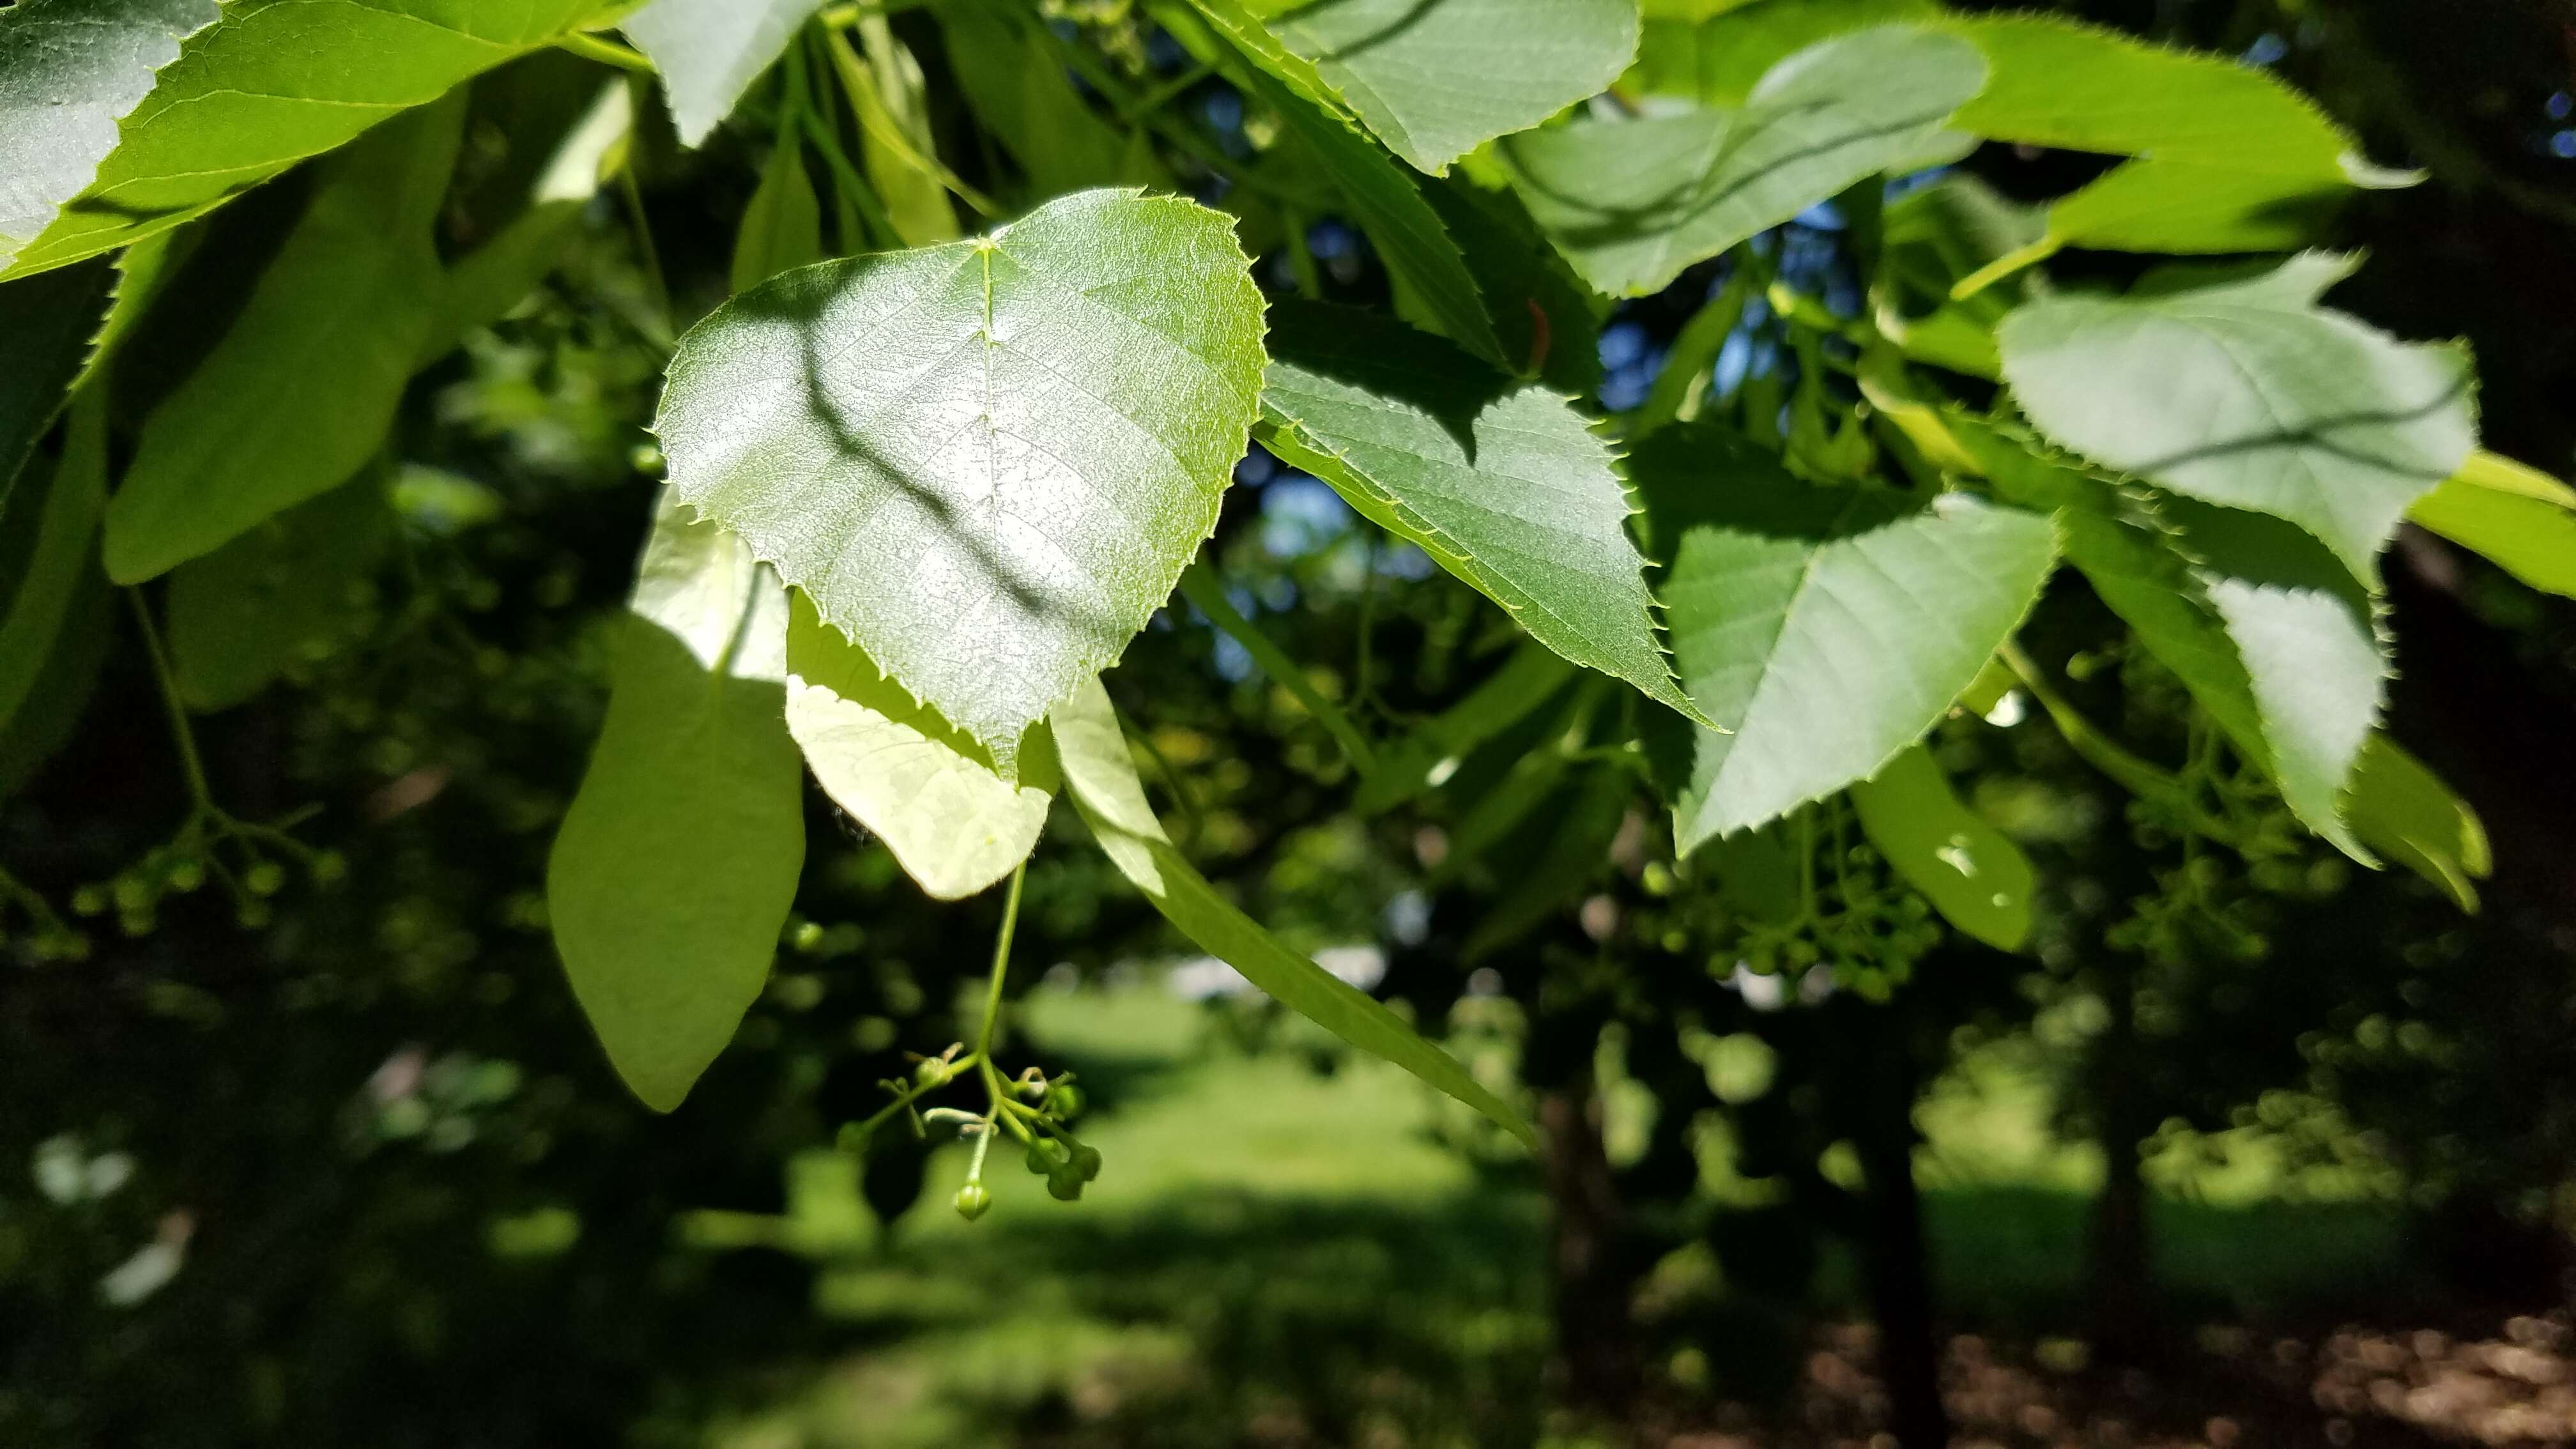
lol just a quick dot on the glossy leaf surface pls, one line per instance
(70, 70)
(1972, 873)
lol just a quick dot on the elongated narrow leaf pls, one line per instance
(1974, 876)
(2248, 394)
(46, 524)
(1027, 100)
(1632, 203)
(46, 324)
(1434, 79)
(63, 685)
(69, 71)
(1100, 778)
(2403, 810)
(1826, 627)
(281, 595)
(1426, 757)
(272, 82)
(886, 93)
(2522, 521)
(1582, 821)
(674, 869)
(2270, 634)
(920, 783)
(1503, 483)
(301, 389)
(782, 227)
(710, 51)
(986, 462)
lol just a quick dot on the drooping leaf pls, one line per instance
(2521, 520)
(1718, 57)
(1632, 203)
(63, 684)
(1826, 627)
(710, 51)
(277, 596)
(1100, 778)
(2230, 158)
(1424, 758)
(1434, 79)
(1582, 820)
(920, 783)
(299, 392)
(1502, 482)
(782, 225)
(1024, 97)
(2403, 810)
(69, 71)
(2248, 394)
(272, 82)
(2270, 634)
(886, 93)
(46, 324)
(1972, 873)
(674, 868)
(986, 462)
(46, 523)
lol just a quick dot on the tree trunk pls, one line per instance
(1595, 1339)
(2118, 1256)
(1900, 1280)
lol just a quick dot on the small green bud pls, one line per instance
(89, 900)
(254, 915)
(1064, 1184)
(1065, 1100)
(265, 879)
(1086, 1161)
(932, 1072)
(186, 874)
(330, 866)
(132, 893)
(1045, 1155)
(973, 1201)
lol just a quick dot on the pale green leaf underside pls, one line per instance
(271, 83)
(986, 462)
(1501, 482)
(2269, 633)
(1100, 778)
(710, 51)
(298, 394)
(1633, 203)
(675, 866)
(1974, 876)
(2247, 394)
(69, 71)
(921, 784)
(2521, 520)
(1434, 79)
(1827, 628)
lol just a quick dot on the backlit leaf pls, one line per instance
(1826, 627)
(1976, 878)
(1632, 203)
(1100, 778)
(710, 51)
(2246, 393)
(1718, 57)
(299, 392)
(69, 71)
(2521, 520)
(988, 461)
(921, 784)
(2404, 811)
(1502, 482)
(782, 224)
(673, 871)
(272, 82)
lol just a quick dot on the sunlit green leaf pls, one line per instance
(1826, 627)
(1502, 482)
(1717, 57)
(1974, 876)
(279, 595)
(1632, 203)
(2404, 811)
(70, 70)
(301, 389)
(673, 871)
(782, 224)
(886, 93)
(2246, 393)
(986, 462)
(921, 784)
(2521, 520)
(272, 82)
(1100, 778)
(710, 51)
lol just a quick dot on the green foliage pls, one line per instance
(2244, 392)
(1503, 484)
(1775, 591)
(709, 54)
(45, 530)
(297, 395)
(288, 592)
(272, 82)
(673, 871)
(69, 72)
(2525, 521)
(990, 498)
(1632, 203)
(1972, 873)
(45, 331)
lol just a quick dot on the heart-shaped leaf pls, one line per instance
(986, 461)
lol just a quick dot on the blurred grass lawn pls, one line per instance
(1274, 1254)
